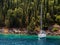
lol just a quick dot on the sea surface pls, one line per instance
(27, 41)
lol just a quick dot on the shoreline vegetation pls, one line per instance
(23, 16)
(55, 31)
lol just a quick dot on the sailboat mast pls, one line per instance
(41, 16)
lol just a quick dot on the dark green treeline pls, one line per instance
(25, 13)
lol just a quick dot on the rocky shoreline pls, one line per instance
(15, 31)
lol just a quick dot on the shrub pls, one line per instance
(55, 29)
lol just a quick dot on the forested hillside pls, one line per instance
(26, 13)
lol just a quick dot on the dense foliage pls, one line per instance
(26, 13)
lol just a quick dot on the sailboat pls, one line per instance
(42, 33)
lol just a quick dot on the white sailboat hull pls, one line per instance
(41, 35)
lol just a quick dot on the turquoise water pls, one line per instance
(27, 40)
